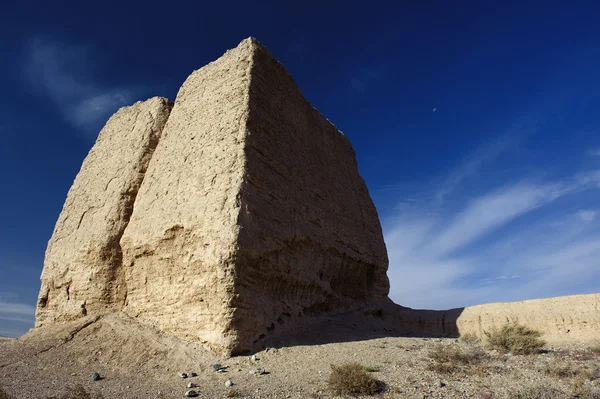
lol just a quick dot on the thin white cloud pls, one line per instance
(546, 257)
(19, 319)
(471, 165)
(594, 152)
(483, 155)
(62, 72)
(8, 308)
(588, 215)
(494, 210)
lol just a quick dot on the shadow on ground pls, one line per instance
(383, 320)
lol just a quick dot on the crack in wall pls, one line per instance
(117, 295)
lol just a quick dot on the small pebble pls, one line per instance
(228, 383)
(96, 377)
(257, 371)
(191, 374)
(192, 385)
(253, 358)
(191, 393)
(182, 375)
(217, 367)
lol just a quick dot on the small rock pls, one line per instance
(182, 375)
(192, 385)
(191, 374)
(191, 393)
(228, 383)
(253, 358)
(217, 367)
(96, 377)
(257, 371)
(442, 384)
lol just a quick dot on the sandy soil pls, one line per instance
(139, 362)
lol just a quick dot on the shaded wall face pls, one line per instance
(310, 238)
(179, 246)
(82, 269)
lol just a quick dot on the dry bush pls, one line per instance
(470, 338)
(514, 338)
(351, 379)
(233, 393)
(584, 391)
(564, 370)
(576, 354)
(450, 358)
(443, 368)
(536, 391)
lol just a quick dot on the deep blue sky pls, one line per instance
(476, 126)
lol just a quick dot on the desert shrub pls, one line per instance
(351, 379)
(449, 358)
(536, 391)
(443, 368)
(470, 339)
(514, 338)
(581, 389)
(564, 370)
(233, 393)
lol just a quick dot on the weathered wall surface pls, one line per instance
(82, 268)
(310, 240)
(179, 247)
(563, 320)
(566, 319)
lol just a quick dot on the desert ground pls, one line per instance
(136, 361)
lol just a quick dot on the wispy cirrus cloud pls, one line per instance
(15, 318)
(486, 154)
(513, 241)
(8, 308)
(63, 72)
(595, 152)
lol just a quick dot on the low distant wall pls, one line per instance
(563, 320)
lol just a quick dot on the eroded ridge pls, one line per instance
(83, 271)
